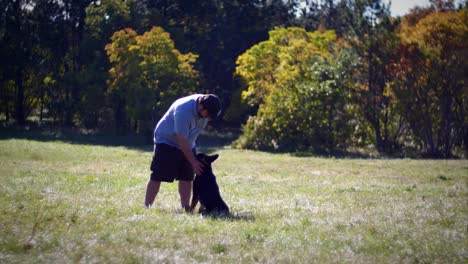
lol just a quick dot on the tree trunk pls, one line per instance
(378, 139)
(7, 112)
(42, 109)
(447, 114)
(430, 144)
(465, 141)
(68, 110)
(120, 119)
(19, 100)
(447, 127)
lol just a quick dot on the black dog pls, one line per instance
(206, 190)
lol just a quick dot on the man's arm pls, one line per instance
(185, 147)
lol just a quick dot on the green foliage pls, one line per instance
(148, 73)
(106, 17)
(301, 102)
(7, 94)
(277, 61)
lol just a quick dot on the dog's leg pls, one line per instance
(202, 210)
(195, 199)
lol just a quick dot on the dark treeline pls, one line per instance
(116, 66)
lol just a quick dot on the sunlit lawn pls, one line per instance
(62, 202)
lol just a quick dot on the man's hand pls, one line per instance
(184, 145)
(197, 167)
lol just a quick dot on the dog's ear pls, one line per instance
(212, 158)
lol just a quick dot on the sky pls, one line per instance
(401, 7)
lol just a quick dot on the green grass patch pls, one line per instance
(63, 202)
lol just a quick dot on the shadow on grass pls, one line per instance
(232, 216)
(76, 136)
(337, 154)
(241, 216)
(236, 216)
(208, 141)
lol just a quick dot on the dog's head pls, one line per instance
(206, 160)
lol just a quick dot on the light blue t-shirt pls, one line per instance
(182, 117)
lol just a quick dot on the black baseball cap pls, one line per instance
(212, 104)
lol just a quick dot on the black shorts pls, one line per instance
(169, 164)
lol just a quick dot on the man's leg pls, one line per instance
(152, 190)
(185, 190)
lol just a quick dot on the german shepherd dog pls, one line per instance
(206, 190)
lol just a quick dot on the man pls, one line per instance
(174, 144)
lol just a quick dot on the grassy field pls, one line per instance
(63, 202)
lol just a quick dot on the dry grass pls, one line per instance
(62, 202)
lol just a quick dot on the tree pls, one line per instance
(70, 21)
(373, 40)
(41, 43)
(430, 79)
(103, 18)
(27, 50)
(292, 80)
(147, 74)
(16, 54)
(61, 42)
(262, 64)
(328, 14)
(367, 27)
(218, 31)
